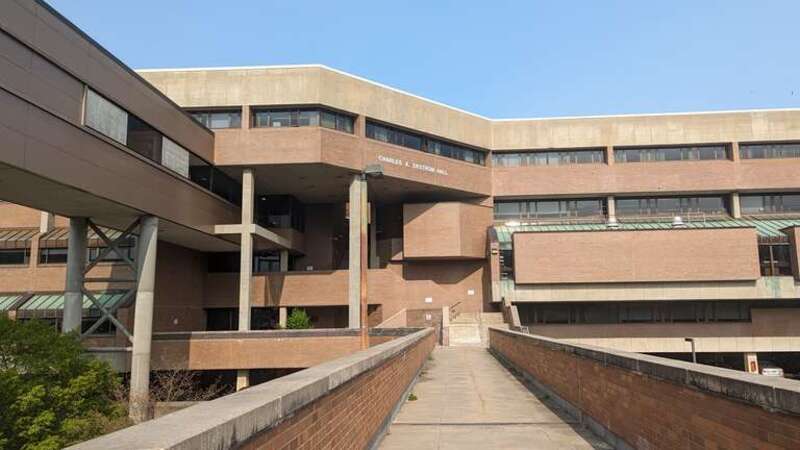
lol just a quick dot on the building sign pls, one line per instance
(411, 165)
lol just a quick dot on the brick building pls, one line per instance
(254, 185)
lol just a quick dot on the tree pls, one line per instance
(52, 393)
(298, 320)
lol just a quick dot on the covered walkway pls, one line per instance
(466, 399)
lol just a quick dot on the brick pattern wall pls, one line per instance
(646, 412)
(352, 414)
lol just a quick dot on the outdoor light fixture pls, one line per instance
(373, 171)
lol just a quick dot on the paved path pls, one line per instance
(466, 399)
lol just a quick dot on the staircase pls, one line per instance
(472, 329)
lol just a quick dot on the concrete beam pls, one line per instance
(76, 265)
(139, 402)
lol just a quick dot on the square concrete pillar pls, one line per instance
(284, 260)
(736, 206)
(373, 239)
(283, 314)
(139, 402)
(357, 199)
(246, 250)
(47, 222)
(735, 155)
(611, 207)
(610, 155)
(76, 265)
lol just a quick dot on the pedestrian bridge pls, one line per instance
(525, 391)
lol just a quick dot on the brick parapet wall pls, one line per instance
(642, 401)
(345, 403)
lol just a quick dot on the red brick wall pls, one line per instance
(644, 411)
(352, 414)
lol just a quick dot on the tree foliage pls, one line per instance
(298, 320)
(52, 393)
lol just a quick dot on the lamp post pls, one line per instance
(370, 171)
(694, 355)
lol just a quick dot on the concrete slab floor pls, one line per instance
(467, 400)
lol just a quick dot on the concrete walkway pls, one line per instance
(467, 400)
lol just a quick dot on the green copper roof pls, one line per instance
(40, 302)
(764, 228)
(8, 300)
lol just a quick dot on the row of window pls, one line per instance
(548, 209)
(750, 204)
(303, 117)
(548, 158)
(645, 154)
(408, 139)
(683, 153)
(107, 118)
(58, 255)
(636, 312)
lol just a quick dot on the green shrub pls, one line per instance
(298, 320)
(52, 393)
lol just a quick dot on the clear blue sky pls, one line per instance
(497, 58)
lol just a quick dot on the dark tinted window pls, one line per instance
(14, 256)
(302, 117)
(769, 203)
(670, 206)
(219, 119)
(769, 151)
(416, 141)
(548, 209)
(684, 153)
(548, 158)
(144, 139)
(52, 256)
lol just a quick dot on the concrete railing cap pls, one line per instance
(767, 392)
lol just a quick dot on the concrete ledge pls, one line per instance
(231, 420)
(266, 334)
(772, 394)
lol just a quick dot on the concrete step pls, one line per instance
(466, 318)
(465, 334)
(492, 317)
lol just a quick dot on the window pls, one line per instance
(637, 312)
(775, 259)
(144, 139)
(14, 257)
(548, 209)
(53, 255)
(266, 262)
(769, 151)
(112, 121)
(507, 264)
(280, 211)
(548, 158)
(656, 154)
(670, 206)
(769, 203)
(219, 119)
(408, 139)
(302, 117)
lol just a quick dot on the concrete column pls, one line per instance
(246, 250)
(76, 264)
(610, 155)
(751, 363)
(242, 379)
(47, 222)
(354, 253)
(284, 261)
(736, 207)
(283, 313)
(139, 402)
(611, 207)
(735, 156)
(373, 239)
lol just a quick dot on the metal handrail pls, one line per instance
(451, 309)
